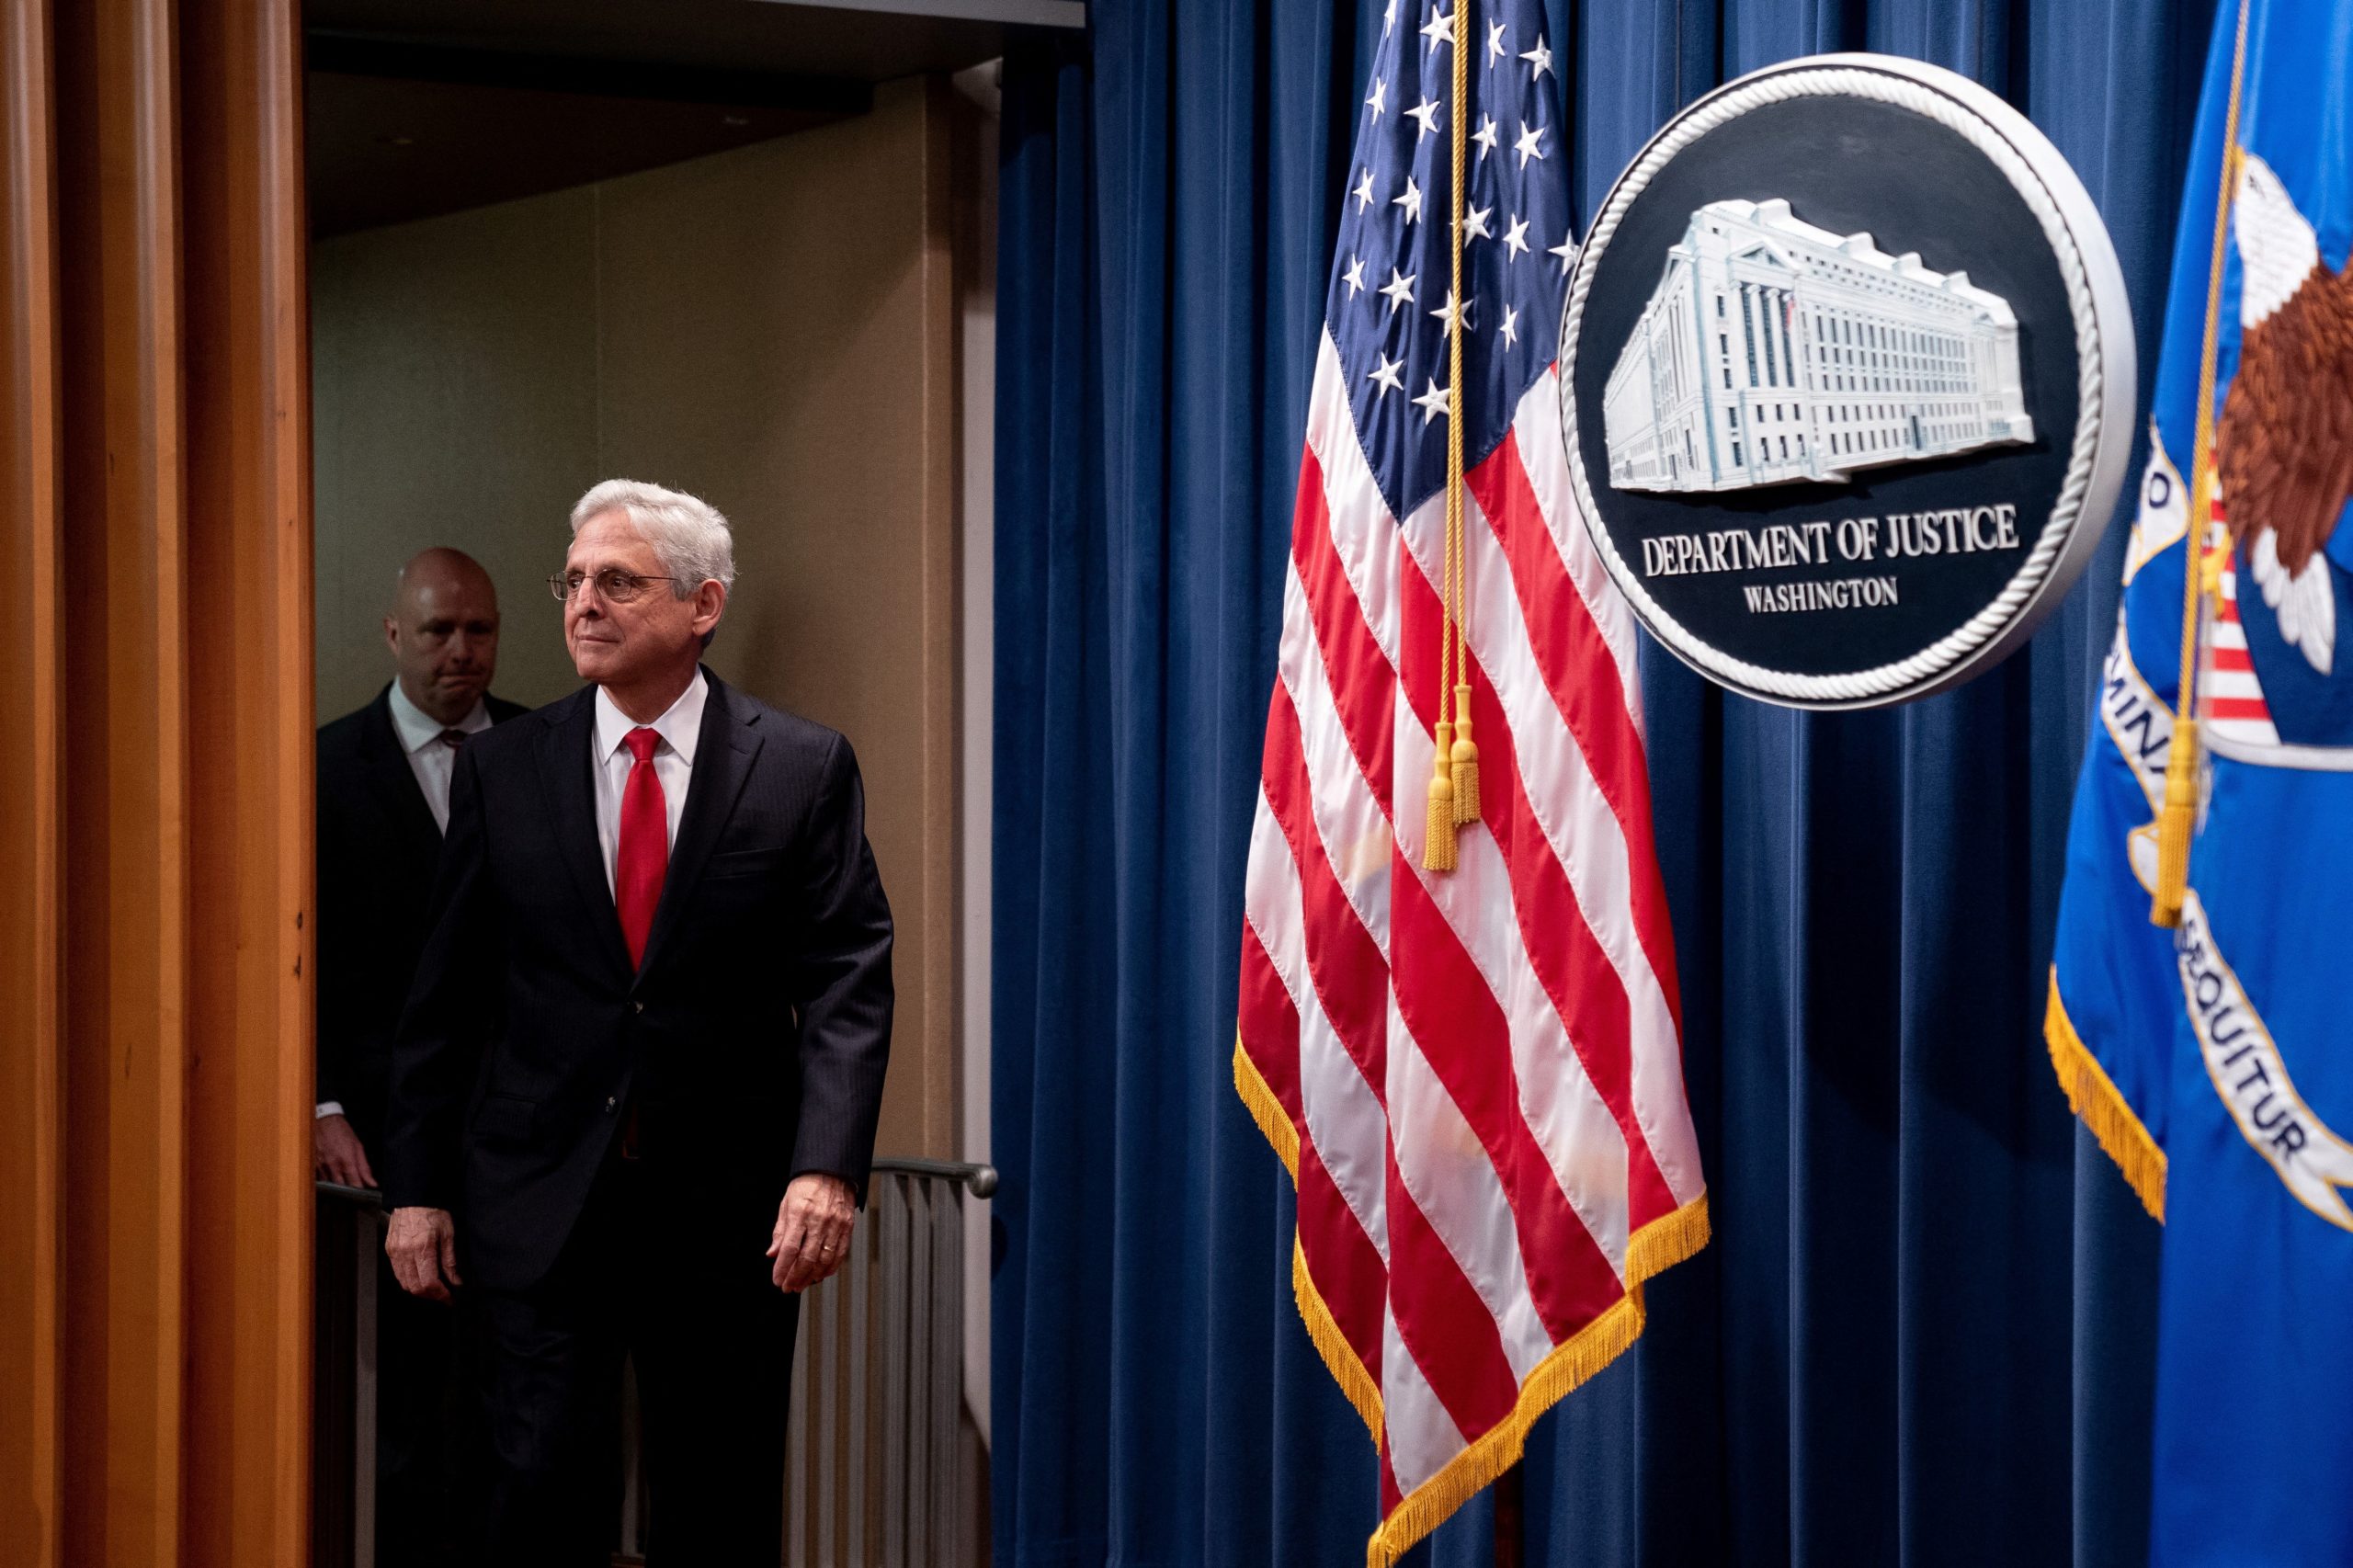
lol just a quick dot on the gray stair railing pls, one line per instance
(881, 1464)
(882, 1468)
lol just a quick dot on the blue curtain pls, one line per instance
(1922, 1334)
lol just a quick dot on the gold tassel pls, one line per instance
(1437, 848)
(2175, 825)
(1465, 759)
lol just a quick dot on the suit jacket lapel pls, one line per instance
(723, 751)
(394, 781)
(566, 753)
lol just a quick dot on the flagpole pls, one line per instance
(1511, 1517)
(2176, 817)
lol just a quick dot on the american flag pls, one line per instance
(1474, 1076)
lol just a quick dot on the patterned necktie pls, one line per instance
(642, 856)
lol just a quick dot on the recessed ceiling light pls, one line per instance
(736, 120)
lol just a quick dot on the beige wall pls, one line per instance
(772, 329)
(454, 395)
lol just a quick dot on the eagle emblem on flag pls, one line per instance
(2285, 447)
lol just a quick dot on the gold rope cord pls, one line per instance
(2175, 818)
(1445, 802)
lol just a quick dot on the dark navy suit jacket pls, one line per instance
(752, 1041)
(378, 849)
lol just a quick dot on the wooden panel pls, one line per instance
(250, 1223)
(30, 939)
(942, 645)
(155, 854)
(126, 761)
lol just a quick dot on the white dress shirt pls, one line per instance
(674, 762)
(420, 736)
(419, 733)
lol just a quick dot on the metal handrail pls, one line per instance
(358, 1197)
(980, 1181)
(977, 1179)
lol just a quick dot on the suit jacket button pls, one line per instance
(637, 1007)
(611, 1100)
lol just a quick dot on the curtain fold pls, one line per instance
(1922, 1334)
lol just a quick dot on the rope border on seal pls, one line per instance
(2090, 380)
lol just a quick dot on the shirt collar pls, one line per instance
(417, 729)
(679, 728)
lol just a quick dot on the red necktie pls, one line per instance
(642, 856)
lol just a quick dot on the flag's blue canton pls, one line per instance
(1391, 272)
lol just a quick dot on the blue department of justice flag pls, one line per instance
(2245, 1082)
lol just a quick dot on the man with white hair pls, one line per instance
(659, 890)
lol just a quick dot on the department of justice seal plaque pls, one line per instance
(1847, 380)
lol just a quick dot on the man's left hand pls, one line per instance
(812, 1224)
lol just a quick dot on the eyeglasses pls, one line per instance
(613, 585)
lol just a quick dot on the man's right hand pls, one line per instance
(336, 1153)
(422, 1245)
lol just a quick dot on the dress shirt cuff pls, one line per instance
(325, 1108)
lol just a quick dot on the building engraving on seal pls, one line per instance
(1773, 351)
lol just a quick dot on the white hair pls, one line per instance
(688, 536)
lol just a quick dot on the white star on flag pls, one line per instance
(1427, 112)
(1399, 290)
(1449, 310)
(1540, 59)
(1516, 238)
(1411, 201)
(1379, 99)
(1566, 250)
(1354, 278)
(1527, 147)
(1383, 376)
(1510, 330)
(1363, 192)
(1432, 403)
(1440, 28)
(1485, 135)
(1474, 224)
(1495, 50)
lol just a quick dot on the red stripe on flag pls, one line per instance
(1441, 1321)
(2226, 607)
(1567, 959)
(1271, 1027)
(1586, 686)
(1451, 1011)
(1363, 687)
(1341, 1259)
(1343, 962)
(2233, 659)
(2237, 707)
(1467, 1042)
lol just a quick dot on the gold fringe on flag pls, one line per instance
(1339, 1357)
(1264, 1109)
(2093, 1096)
(1665, 1240)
